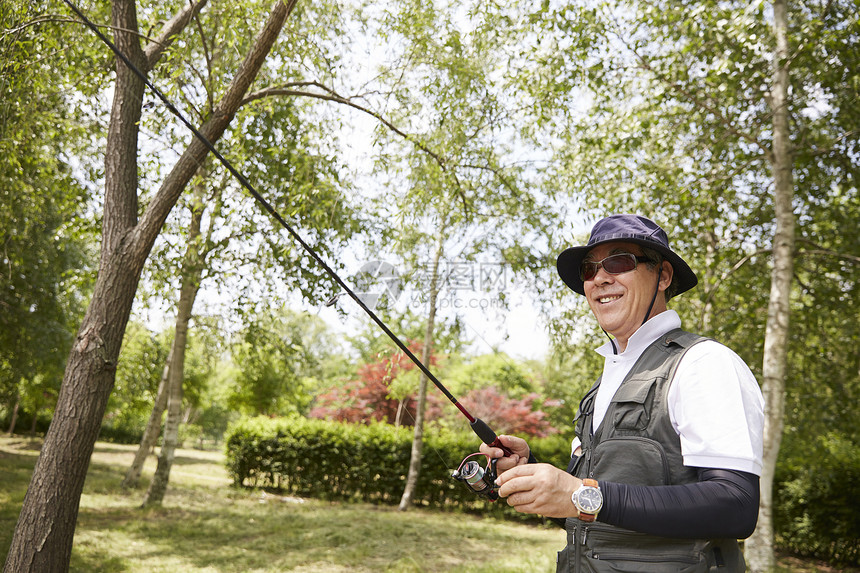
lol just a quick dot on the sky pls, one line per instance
(472, 294)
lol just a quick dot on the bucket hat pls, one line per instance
(632, 229)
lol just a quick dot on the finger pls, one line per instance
(517, 471)
(509, 462)
(527, 508)
(514, 444)
(511, 484)
(521, 498)
(492, 452)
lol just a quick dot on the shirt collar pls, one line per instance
(656, 327)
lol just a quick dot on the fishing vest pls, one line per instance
(636, 444)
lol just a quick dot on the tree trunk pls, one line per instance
(191, 272)
(35, 421)
(43, 536)
(42, 540)
(14, 419)
(158, 485)
(759, 547)
(152, 430)
(398, 417)
(418, 434)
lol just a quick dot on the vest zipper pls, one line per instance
(589, 470)
(640, 559)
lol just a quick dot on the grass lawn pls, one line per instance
(205, 525)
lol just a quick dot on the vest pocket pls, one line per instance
(630, 408)
(632, 460)
(621, 550)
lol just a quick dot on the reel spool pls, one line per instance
(480, 480)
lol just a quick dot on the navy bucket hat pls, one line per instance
(632, 229)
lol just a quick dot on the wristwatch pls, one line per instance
(588, 500)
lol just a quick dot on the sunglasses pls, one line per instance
(613, 264)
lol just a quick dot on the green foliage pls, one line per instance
(816, 505)
(572, 366)
(43, 238)
(139, 371)
(495, 369)
(281, 359)
(331, 460)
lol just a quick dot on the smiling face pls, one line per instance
(619, 302)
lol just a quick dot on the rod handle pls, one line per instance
(488, 436)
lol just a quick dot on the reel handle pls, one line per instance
(488, 436)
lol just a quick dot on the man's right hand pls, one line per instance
(518, 446)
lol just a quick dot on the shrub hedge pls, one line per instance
(332, 460)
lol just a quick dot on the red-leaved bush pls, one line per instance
(519, 416)
(367, 398)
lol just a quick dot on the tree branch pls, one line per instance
(734, 268)
(819, 250)
(700, 104)
(331, 95)
(188, 164)
(155, 48)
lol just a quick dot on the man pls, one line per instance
(666, 461)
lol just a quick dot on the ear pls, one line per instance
(666, 274)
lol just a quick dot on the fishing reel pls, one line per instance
(480, 480)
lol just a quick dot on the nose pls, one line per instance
(602, 277)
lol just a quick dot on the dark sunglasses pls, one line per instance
(613, 264)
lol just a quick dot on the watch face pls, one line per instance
(590, 500)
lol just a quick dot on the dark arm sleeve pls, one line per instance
(722, 504)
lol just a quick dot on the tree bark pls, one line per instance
(43, 535)
(152, 430)
(418, 433)
(759, 547)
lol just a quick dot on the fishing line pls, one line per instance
(481, 429)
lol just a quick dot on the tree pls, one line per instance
(385, 388)
(137, 380)
(421, 406)
(43, 536)
(223, 231)
(44, 275)
(759, 547)
(524, 415)
(192, 271)
(494, 369)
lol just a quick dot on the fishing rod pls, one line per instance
(478, 426)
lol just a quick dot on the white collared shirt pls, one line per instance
(715, 403)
